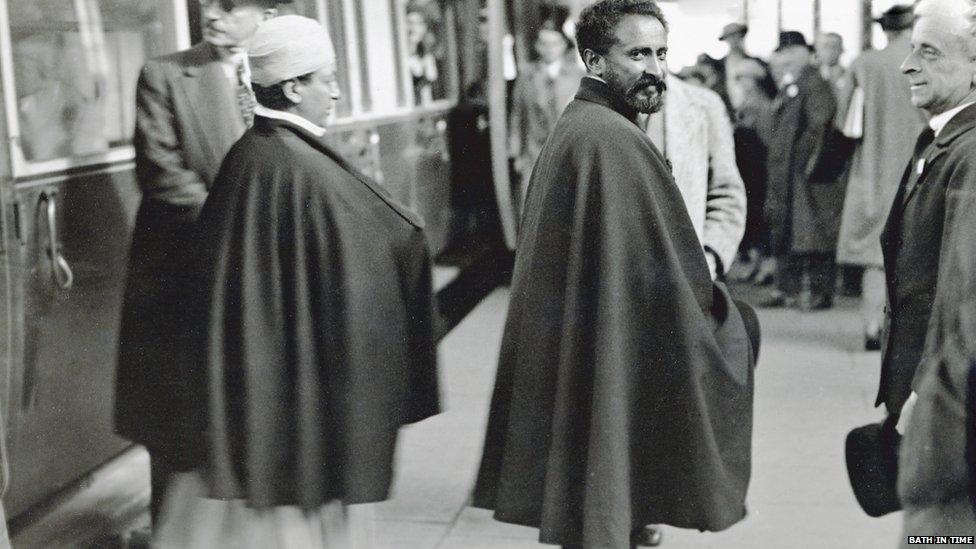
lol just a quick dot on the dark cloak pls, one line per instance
(310, 340)
(624, 389)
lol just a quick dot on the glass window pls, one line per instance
(426, 49)
(75, 66)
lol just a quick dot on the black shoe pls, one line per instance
(648, 536)
(872, 342)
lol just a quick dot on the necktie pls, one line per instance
(924, 140)
(245, 97)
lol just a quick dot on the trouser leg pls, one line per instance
(160, 470)
(873, 298)
(789, 269)
(823, 273)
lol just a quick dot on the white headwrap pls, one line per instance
(286, 47)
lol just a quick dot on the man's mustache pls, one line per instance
(649, 80)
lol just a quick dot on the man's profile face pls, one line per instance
(736, 41)
(318, 95)
(231, 23)
(940, 68)
(635, 65)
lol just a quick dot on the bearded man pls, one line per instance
(624, 388)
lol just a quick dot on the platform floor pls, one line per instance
(813, 384)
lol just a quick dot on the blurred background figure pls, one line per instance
(799, 210)
(425, 52)
(752, 85)
(542, 91)
(828, 48)
(734, 35)
(881, 117)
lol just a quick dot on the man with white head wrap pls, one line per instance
(309, 340)
(930, 264)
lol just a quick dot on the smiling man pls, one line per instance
(941, 72)
(930, 264)
(624, 388)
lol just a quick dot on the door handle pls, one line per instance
(63, 276)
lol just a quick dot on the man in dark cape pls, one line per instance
(624, 390)
(310, 340)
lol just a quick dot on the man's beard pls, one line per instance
(646, 95)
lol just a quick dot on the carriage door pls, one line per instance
(69, 69)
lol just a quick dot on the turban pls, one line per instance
(287, 47)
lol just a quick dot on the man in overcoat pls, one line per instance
(310, 327)
(933, 222)
(802, 213)
(888, 128)
(933, 194)
(624, 388)
(191, 106)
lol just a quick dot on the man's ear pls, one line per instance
(595, 63)
(288, 89)
(269, 13)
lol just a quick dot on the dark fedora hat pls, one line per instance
(897, 17)
(872, 466)
(732, 28)
(789, 39)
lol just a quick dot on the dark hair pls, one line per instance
(597, 23)
(273, 97)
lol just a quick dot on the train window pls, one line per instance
(426, 50)
(70, 78)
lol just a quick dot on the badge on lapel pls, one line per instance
(792, 90)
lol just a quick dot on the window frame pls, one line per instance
(175, 36)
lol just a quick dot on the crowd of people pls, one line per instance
(277, 326)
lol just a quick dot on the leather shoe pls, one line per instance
(872, 342)
(649, 536)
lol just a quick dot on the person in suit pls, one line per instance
(934, 193)
(191, 106)
(541, 93)
(800, 211)
(929, 244)
(694, 132)
(886, 135)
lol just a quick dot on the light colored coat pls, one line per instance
(891, 125)
(698, 143)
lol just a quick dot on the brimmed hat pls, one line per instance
(872, 467)
(897, 17)
(789, 39)
(732, 28)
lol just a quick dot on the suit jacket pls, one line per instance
(537, 102)
(698, 143)
(186, 120)
(919, 225)
(937, 465)
(802, 213)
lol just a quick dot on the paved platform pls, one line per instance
(813, 384)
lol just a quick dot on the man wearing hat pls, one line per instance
(733, 34)
(800, 211)
(882, 118)
(310, 328)
(190, 108)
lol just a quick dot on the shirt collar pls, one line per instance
(939, 121)
(305, 124)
